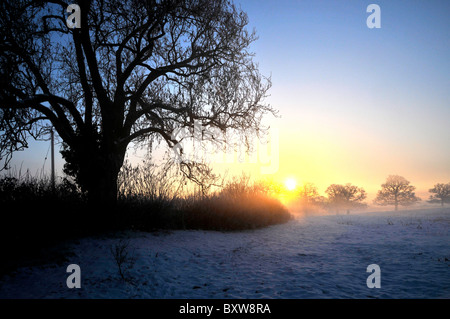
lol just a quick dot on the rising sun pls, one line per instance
(290, 184)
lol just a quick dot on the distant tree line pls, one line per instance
(396, 191)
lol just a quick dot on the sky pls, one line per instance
(355, 104)
(358, 104)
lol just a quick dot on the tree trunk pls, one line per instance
(103, 186)
(95, 159)
(103, 181)
(95, 169)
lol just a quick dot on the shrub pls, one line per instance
(124, 258)
(240, 205)
(35, 215)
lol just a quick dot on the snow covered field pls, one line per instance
(310, 257)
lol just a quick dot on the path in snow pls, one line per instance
(310, 257)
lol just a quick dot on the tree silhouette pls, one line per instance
(441, 193)
(396, 191)
(134, 72)
(345, 196)
(308, 194)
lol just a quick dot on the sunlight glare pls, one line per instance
(290, 184)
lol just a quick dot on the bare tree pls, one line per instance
(441, 193)
(134, 72)
(345, 196)
(396, 191)
(308, 194)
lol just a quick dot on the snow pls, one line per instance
(322, 256)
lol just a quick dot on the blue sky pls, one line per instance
(377, 99)
(356, 104)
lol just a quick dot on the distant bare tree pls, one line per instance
(134, 72)
(308, 194)
(441, 193)
(396, 191)
(345, 196)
